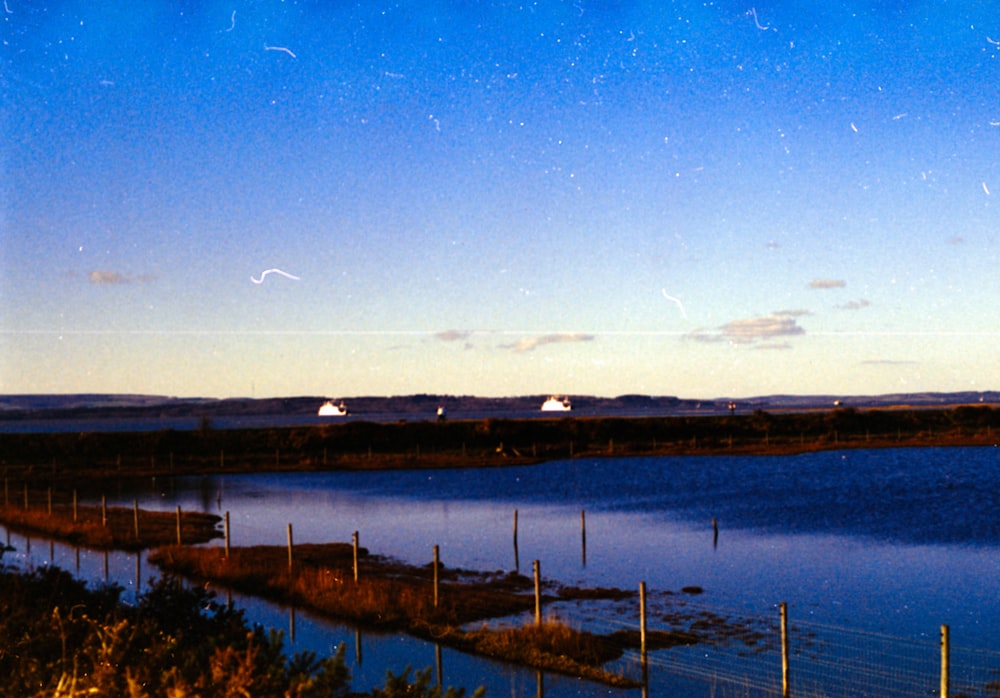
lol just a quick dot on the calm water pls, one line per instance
(892, 542)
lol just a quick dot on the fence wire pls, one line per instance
(744, 658)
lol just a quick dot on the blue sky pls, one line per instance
(693, 199)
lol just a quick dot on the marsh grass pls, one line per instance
(117, 531)
(393, 595)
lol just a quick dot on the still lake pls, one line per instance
(890, 542)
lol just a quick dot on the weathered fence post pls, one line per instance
(74, 506)
(289, 548)
(786, 689)
(104, 510)
(945, 666)
(135, 517)
(178, 524)
(642, 621)
(538, 594)
(355, 544)
(49, 498)
(437, 559)
(25, 495)
(227, 534)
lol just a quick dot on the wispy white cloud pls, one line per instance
(107, 277)
(827, 283)
(531, 343)
(751, 330)
(859, 304)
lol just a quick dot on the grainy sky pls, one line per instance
(694, 199)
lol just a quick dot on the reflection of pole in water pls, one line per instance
(357, 645)
(291, 623)
(105, 565)
(517, 561)
(583, 535)
(715, 533)
(540, 679)
(138, 574)
(77, 551)
(437, 662)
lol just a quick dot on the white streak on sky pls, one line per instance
(674, 300)
(753, 11)
(279, 48)
(274, 271)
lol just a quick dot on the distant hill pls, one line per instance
(14, 407)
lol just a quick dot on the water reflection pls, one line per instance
(895, 541)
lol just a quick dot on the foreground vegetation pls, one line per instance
(59, 638)
(63, 459)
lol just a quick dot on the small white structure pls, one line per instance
(557, 404)
(328, 409)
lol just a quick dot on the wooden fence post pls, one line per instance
(945, 666)
(642, 621)
(135, 517)
(49, 499)
(786, 689)
(104, 510)
(178, 524)
(538, 594)
(289, 548)
(437, 560)
(74, 506)
(227, 535)
(355, 544)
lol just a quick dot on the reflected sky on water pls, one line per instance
(893, 541)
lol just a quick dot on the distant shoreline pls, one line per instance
(66, 459)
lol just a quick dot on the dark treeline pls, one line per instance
(475, 443)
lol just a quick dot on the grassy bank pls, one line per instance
(389, 595)
(62, 458)
(111, 528)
